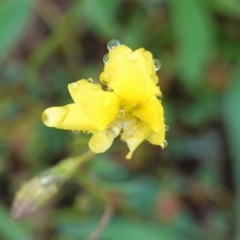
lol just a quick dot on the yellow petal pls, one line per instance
(157, 138)
(54, 116)
(82, 89)
(94, 109)
(100, 142)
(131, 75)
(152, 113)
(70, 117)
(134, 132)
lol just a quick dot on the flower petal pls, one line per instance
(157, 138)
(152, 113)
(134, 133)
(94, 109)
(53, 116)
(81, 89)
(70, 117)
(131, 75)
(100, 142)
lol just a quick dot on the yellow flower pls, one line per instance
(129, 106)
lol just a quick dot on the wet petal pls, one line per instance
(134, 133)
(94, 109)
(152, 113)
(54, 116)
(70, 117)
(100, 142)
(82, 89)
(157, 138)
(131, 75)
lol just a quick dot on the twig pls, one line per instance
(107, 215)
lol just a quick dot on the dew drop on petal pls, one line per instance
(107, 102)
(86, 131)
(166, 127)
(157, 64)
(76, 131)
(90, 80)
(164, 144)
(105, 58)
(112, 44)
(104, 83)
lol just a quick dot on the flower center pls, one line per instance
(126, 125)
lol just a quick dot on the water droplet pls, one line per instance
(76, 131)
(105, 58)
(86, 131)
(107, 101)
(166, 127)
(104, 83)
(47, 179)
(121, 113)
(164, 144)
(157, 64)
(112, 44)
(90, 80)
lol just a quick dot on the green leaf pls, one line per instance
(14, 15)
(108, 169)
(10, 230)
(229, 7)
(140, 193)
(100, 15)
(192, 27)
(119, 228)
(231, 115)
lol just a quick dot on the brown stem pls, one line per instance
(106, 217)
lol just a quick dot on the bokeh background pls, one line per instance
(191, 189)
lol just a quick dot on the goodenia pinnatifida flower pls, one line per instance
(129, 107)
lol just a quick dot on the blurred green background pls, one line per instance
(188, 191)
